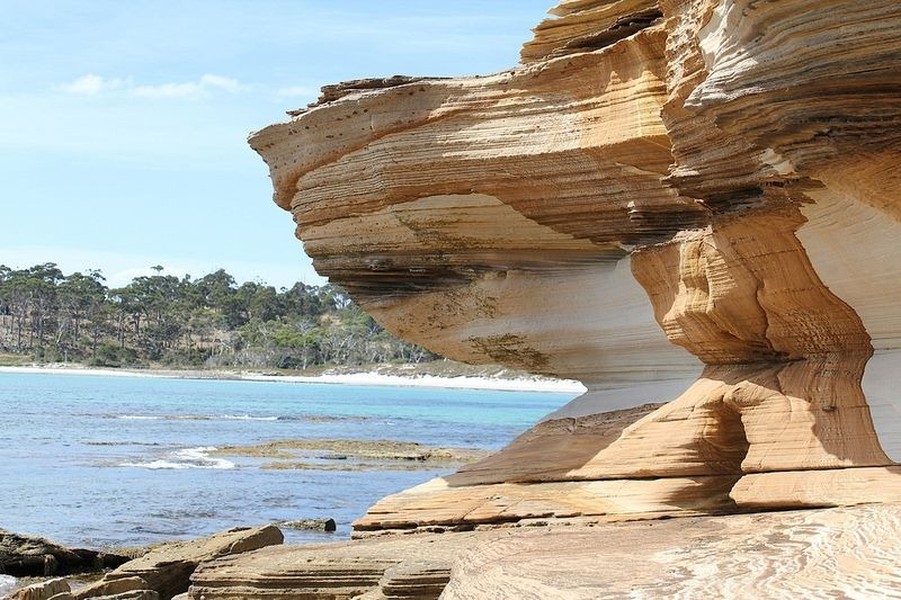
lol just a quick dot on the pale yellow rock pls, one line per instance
(692, 203)
(848, 552)
(832, 487)
(585, 25)
(165, 571)
(42, 590)
(110, 587)
(843, 553)
(438, 505)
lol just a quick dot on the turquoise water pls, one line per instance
(109, 460)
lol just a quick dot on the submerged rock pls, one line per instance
(354, 455)
(327, 524)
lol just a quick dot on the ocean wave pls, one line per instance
(162, 417)
(121, 443)
(249, 418)
(244, 417)
(226, 417)
(187, 458)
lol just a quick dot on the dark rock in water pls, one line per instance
(26, 556)
(328, 525)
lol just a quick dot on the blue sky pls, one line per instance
(123, 124)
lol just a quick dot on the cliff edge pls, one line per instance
(691, 206)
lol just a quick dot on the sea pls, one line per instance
(103, 461)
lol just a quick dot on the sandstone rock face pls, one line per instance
(692, 203)
(781, 555)
(164, 572)
(43, 590)
(846, 552)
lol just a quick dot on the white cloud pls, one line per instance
(168, 90)
(228, 84)
(191, 89)
(296, 91)
(91, 85)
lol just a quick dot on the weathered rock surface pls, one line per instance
(848, 552)
(692, 203)
(837, 553)
(327, 524)
(112, 586)
(164, 572)
(44, 590)
(29, 556)
(353, 455)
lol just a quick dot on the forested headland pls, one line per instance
(161, 320)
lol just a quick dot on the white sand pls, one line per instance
(432, 381)
(536, 384)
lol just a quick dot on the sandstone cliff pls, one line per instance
(688, 204)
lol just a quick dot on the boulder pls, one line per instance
(166, 570)
(328, 571)
(29, 556)
(43, 590)
(327, 524)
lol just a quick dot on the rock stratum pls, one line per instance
(845, 552)
(691, 204)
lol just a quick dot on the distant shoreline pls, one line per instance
(363, 378)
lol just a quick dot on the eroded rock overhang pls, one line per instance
(689, 202)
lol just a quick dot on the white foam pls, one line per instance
(248, 418)
(187, 458)
(7, 584)
(157, 464)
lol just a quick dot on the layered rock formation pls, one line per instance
(691, 203)
(160, 574)
(846, 552)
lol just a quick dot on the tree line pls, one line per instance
(165, 320)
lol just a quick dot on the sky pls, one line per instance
(123, 124)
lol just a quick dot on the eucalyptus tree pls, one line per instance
(82, 299)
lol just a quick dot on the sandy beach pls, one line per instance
(367, 378)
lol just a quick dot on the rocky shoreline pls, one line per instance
(159, 574)
(806, 553)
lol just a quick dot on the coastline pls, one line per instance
(361, 378)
